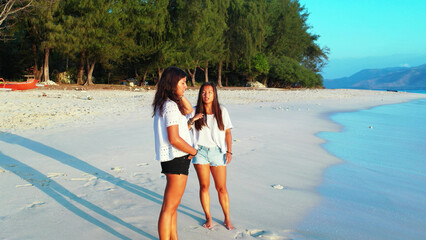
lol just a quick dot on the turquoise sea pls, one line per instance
(379, 190)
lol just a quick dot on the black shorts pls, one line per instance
(179, 165)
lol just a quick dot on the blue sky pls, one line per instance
(369, 31)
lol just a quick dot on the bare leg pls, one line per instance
(203, 172)
(219, 176)
(167, 221)
(173, 230)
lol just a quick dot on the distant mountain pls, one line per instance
(396, 78)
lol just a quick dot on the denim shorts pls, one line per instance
(210, 155)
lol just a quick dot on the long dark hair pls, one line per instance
(215, 109)
(166, 89)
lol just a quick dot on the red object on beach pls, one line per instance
(29, 84)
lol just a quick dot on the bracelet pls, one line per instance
(190, 122)
(194, 154)
(229, 152)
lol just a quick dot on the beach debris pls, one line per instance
(93, 173)
(44, 94)
(89, 98)
(117, 169)
(49, 82)
(255, 85)
(52, 175)
(371, 127)
(24, 185)
(80, 179)
(143, 164)
(278, 186)
(1, 170)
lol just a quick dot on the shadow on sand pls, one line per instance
(60, 194)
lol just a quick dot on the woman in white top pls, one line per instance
(172, 144)
(213, 139)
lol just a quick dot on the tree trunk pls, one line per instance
(81, 69)
(192, 75)
(226, 81)
(90, 72)
(206, 72)
(37, 73)
(46, 65)
(160, 72)
(265, 81)
(138, 80)
(144, 78)
(219, 77)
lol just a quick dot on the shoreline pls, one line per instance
(345, 199)
(274, 139)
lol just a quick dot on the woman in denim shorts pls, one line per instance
(211, 129)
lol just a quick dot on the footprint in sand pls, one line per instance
(260, 234)
(138, 174)
(93, 181)
(34, 204)
(109, 189)
(24, 185)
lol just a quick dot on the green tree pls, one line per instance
(42, 27)
(246, 33)
(287, 31)
(314, 57)
(287, 72)
(144, 28)
(93, 31)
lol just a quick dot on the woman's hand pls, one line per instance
(197, 116)
(192, 155)
(191, 121)
(228, 157)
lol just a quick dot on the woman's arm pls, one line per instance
(186, 106)
(192, 120)
(228, 141)
(178, 142)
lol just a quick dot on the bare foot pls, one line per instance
(228, 225)
(208, 224)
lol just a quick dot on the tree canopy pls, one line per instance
(108, 41)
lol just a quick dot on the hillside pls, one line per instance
(396, 78)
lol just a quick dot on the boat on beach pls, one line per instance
(29, 84)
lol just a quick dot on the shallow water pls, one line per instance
(379, 191)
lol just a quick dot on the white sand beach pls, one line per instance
(81, 164)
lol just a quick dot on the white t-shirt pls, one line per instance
(210, 135)
(171, 116)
